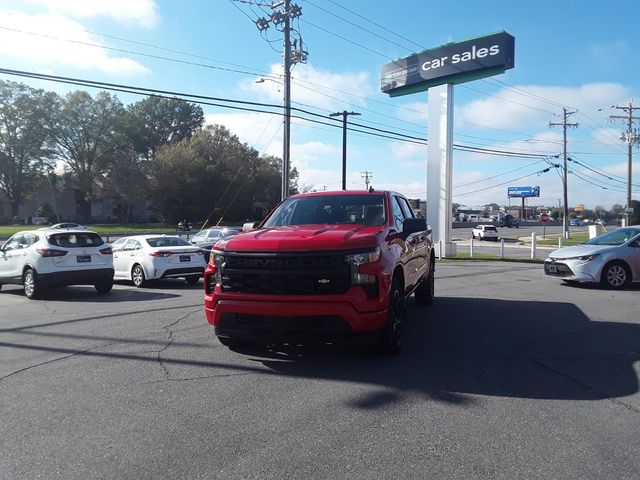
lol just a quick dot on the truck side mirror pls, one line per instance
(413, 225)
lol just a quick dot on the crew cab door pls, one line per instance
(415, 255)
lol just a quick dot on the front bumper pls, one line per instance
(573, 269)
(263, 317)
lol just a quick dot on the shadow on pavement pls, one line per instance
(454, 348)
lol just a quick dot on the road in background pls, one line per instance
(508, 375)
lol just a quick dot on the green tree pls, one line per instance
(25, 120)
(213, 176)
(86, 138)
(157, 121)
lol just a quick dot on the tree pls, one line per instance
(157, 121)
(86, 139)
(128, 175)
(25, 119)
(212, 176)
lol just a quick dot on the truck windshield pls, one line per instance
(330, 209)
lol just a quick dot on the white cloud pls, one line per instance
(258, 130)
(413, 112)
(44, 50)
(318, 88)
(510, 107)
(128, 12)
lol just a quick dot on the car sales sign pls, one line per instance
(451, 63)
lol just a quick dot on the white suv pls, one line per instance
(37, 259)
(485, 232)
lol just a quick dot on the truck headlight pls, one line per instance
(362, 258)
(216, 260)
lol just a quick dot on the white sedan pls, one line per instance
(485, 232)
(149, 257)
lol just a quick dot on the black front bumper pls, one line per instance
(266, 329)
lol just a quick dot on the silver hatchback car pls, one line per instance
(612, 259)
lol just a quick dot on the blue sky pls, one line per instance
(575, 54)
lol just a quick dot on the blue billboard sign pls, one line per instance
(523, 191)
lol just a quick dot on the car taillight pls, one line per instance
(51, 252)
(160, 254)
(106, 251)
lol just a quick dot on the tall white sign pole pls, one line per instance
(439, 166)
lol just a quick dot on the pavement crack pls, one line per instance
(585, 385)
(187, 379)
(53, 360)
(167, 328)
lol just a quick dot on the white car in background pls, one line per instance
(141, 258)
(485, 232)
(38, 259)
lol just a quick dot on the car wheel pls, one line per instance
(425, 293)
(192, 279)
(30, 283)
(390, 341)
(137, 276)
(104, 286)
(615, 275)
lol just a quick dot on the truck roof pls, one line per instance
(342, 192)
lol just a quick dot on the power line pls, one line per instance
(539, 172)
(498, 175)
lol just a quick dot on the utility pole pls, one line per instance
(344, 115)
(564, 124)
(632, 136)
(367, 176)
(293, 53)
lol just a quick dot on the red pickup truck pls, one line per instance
(322, 266)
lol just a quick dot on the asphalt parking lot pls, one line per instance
(508, 375)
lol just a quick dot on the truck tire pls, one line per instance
(390, 341)
(425, 293)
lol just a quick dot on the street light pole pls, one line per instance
(344, 115)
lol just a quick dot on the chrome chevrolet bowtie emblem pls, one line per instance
(324, 281)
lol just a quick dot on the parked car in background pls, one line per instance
(613, 259)
(485, 232)
(204, 239)
(141, 258)
(575, 222)
(38, 259)
(510, 221)
(65, 226)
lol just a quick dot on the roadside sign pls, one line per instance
(544, 218)
(523, 191)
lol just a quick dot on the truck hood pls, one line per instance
(303, 238)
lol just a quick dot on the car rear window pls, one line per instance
(75, 239)
(159, 242)
(490, 229)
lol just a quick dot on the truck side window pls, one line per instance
(398, 215)
(406, 208)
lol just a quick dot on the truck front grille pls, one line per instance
(285, 274)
